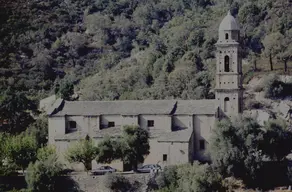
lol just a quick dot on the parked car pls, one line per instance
(103, 170)
(149, 168)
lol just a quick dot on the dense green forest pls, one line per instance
(122, 49)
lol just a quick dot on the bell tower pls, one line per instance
(229, 90)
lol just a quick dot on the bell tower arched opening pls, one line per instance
(226, 64)
(226, 36)
(226, 104)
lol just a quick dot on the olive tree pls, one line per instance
(131, 147)
(84, 151)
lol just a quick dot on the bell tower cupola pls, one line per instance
(229, 90)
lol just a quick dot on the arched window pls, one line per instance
(226, 35)
(226, 63)
(226, 104)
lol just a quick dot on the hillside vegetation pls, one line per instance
(130, 49)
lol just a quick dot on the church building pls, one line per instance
(179, 129)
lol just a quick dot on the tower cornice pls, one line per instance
(226, 43)
(224, 90)
(228, 73)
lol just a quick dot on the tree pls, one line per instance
(21, 150)
(44, 152)
(234, 148)
(39, 129)
(135, 145)
(14, 108)
(253, 58)
(241, 148)
(190, 178)
(109, 150)
(117, 183)
(84, 152)
(65, 90)
(6, 168)
(277, 140)
(131, 147)
(285, 53)
(42, 175)
(272, 46)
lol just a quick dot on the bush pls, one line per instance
(42, 175)
(275, 88)
(21, 150)
(39, 129)
(117, 183)
(232, 184)
(189, 178)
(83, 151)
(167, 178)
(253, 104)
(199, 178)
(44, 152)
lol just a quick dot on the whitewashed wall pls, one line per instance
(119, 120)
(91, 124)
(56, 127)
(203, 125)
(183, 121)
(160, 122)
(177, 153)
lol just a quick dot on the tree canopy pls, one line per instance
(21, 150)
(131, 147)
(240, 147)
(152, 49)
(84, 151)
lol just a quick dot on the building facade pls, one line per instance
(179, 129)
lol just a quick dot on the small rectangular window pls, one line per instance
(150, 123)
(72, 125)
(164, 157)
(202, 144)
(111, 124)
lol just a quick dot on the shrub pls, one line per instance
(21, 150)
(189, 178)
(253, 104)
(232, 184)
(42, 175)
(275, 88)
(199, 178)
(167, 177)
(117, 183)
(84, 151)
(44, 152)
